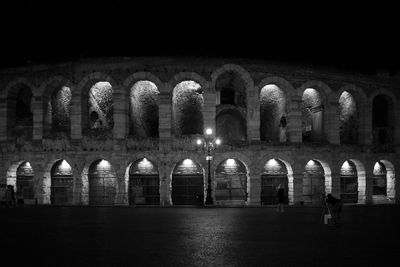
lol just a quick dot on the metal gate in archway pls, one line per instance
(348, 183)
(61, 183)
(25, 183)
(102, 184)
(187, 184)
(144, 183)
(231, 182)
(313, 183)
(274, 174)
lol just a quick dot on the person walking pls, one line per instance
(281, 198)
(335, 206)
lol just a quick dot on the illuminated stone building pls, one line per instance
(106, 132)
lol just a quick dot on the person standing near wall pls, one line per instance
(281, 198)
(282, 129)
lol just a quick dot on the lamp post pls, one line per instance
(210, 143)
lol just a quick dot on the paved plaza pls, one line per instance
(190, 236)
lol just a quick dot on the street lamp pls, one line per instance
(210, 143)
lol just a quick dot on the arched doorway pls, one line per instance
(379, 181)
(19, 113)
(25, 182)
(187, 106)
(61, 183)
(144, 183)
(312, 115)
(348, 182)
(187, 183)
(57, 107)
(274, 174)
(313, 183)
(272, 110)
(382, 120)
(231, 182)
(143, 110)
(102, 183)
(348, 116)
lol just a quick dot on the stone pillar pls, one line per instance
(39, 187)
(335, 185)
(3, 119)
(254, 197)
(253, 115)
(121, 197)
(37, 108)
(294, 120)
(165, 116)
(365, 125)
(76, 117)
(332, 123)
(209, 109)
(120, 113)
(298, 174)
(165, 189)
(368, 185)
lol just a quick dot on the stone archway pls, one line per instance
(383, 183)
(187, 183)
(231, 182)
(317, 182)
(61, 177)
(349, 182)
(24, 183)
(102, 183)
(274, 174)
(143, 183)
(187, 105)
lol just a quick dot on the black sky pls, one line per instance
(350, 37)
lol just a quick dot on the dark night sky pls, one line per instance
(350, 37)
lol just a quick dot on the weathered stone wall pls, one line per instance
(80, 150)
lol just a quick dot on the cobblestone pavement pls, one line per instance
(189, 236)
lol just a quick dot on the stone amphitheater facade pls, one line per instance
(242, 101)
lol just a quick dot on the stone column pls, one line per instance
(365, 125)
(37, 108)
(76, 117)
(253, 115)
(254, 197)
(121, 197)
(3, 119)
(332, 123)
(368, 185)
(294, 120)
(209, 109)
(165, 116)
(298, 174)
(120, 113)
(165, 189)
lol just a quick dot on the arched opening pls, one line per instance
(143, 110)
(349, 182)
(187, 183)
(57, 109)
(313, 183)
(231, 126)
(61, 183)
(274, 174)
(102, 183)
(231, 182)
(144, 183)
(379, 184)
(348, 119)
(231, 110)
(97, 110)
(187, 105)
(25, 187)
(312, 116)
(272, 110)
(382, 120)
(20, 113)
